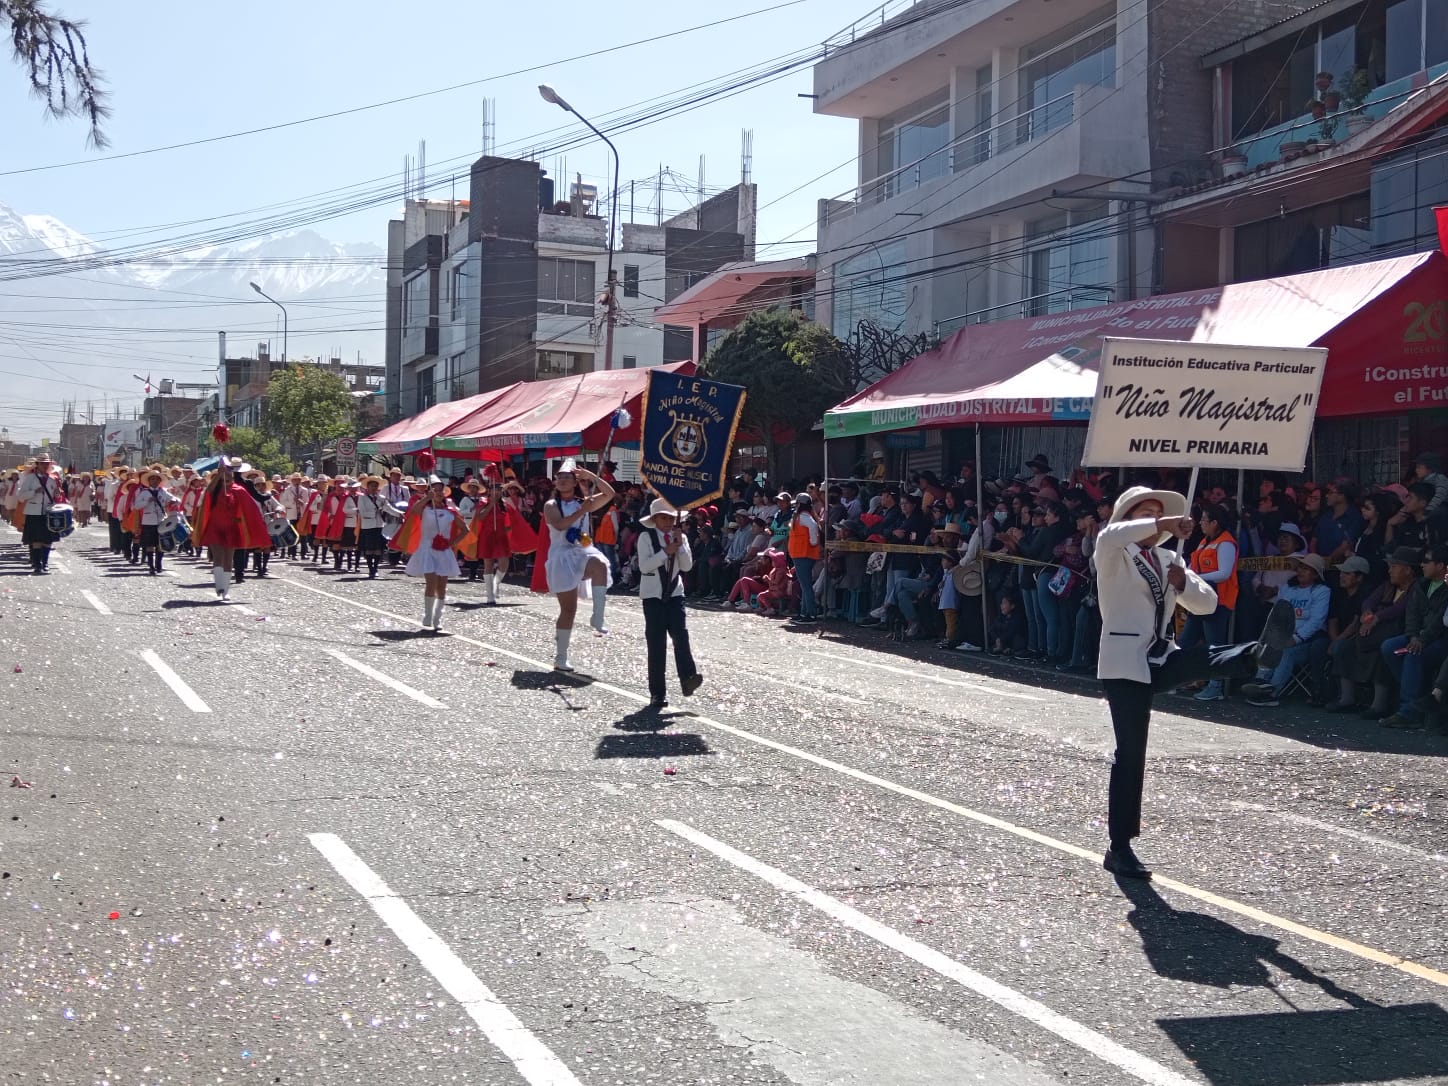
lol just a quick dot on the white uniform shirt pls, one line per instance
(468, 507)
(39, 495)
(294, 500)
(152, 504)
(657, 566)
(370, 510)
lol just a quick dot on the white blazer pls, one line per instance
(1128, 611)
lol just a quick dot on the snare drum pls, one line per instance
(281, 531)
(60, 520)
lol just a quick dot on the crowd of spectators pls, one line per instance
(1362, 565)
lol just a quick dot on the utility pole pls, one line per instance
(610, 299)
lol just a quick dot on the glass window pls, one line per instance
(547, 277)
(1405, 38)
(630, 280)
(1435, 32)
(1324, 236)
(917, 137)
(426, 388)
(458, 285)
(1069, 262)
(1082, 54)
(867, 286)
(565, 280)
(630, 362)
(563, 363)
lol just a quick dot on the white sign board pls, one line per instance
(1163, 403)
(122, 436)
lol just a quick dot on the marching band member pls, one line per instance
(372, 516)
(293, 497)
(39, 490)
(492, 530)
(311, 513)
(336, 524)
(271, 512)
(82, 498)
(574, 565)
(109, 493)
(227, 520)
(430, 533)
(468, 508)
(663, 555)
(396, 493)
(12, 483)
(151, 502)
(130, 517)
(190, 504)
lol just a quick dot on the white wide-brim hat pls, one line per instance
(662, 505)
(1172, 505)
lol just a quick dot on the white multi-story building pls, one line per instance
(1008, 150)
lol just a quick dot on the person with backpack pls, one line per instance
(663, 556)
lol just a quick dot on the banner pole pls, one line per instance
(1191, 493)
(980, 527)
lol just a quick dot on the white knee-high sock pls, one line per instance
(220, 578)
(492, 586)
(427, 602)
(560, 657)
(437, 612)
(600, 600)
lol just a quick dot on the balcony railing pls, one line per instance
(1076, 297)
(872, 21)
(965, 151)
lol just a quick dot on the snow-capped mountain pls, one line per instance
(79, 316)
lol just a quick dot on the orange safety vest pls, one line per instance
(799, 544)
(1204, 560)
(604, 531)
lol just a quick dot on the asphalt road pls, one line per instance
(289, 840)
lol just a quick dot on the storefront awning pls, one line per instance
(564, 415)
(728, 295)
(1383, 324)
(416, 433)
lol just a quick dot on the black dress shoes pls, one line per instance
(1120, 860)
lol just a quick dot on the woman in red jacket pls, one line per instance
(228, 520)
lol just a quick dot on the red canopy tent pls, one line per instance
(1383, 324)
(553, 418)
(416, 433)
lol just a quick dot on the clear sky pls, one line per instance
(183, 70)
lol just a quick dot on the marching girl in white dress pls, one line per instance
(575, 566)
(430, 534)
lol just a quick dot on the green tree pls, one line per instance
(306, 405)
(52, 49)
(175, 452)
(795, 370)
(257, 449)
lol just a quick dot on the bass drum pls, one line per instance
(391, 524)
(281, 531)
(173, 532)
(60, 520)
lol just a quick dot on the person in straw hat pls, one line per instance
(574, 566)
(373, 513)
(1139, 585)
(152, 502)
(293, 496)
(468, 506)
(39, 491)
(663, 555)
(493, 527)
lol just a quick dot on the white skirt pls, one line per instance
(425, 560)
(567, 568)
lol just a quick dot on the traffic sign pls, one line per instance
(346, 447)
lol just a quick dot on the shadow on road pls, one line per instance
(172, 605)
(647, 720)
(649, 744)
(401, 635)
(1362, 1042)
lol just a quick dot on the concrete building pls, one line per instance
(1008, 151)
(507, 285)
(82, 444)
(168, 420)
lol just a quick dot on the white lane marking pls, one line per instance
(533, 1059)
(1093, 856)
(386, 680)
(997, 691)
(245, 610)
(1343, 831)
(1102, 1047)
(60, 567)
(189, 697)
(95, 601)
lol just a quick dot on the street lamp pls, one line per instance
(283, 308)
(548, 94)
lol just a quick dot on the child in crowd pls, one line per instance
(777, 589)
(750, 584)
(1008, 629)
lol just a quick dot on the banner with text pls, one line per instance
(1203, 405)
(689, 424)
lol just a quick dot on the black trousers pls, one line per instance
(1130, 704)
(117, 539)
(664, 620)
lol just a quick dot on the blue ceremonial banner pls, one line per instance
(687, 436)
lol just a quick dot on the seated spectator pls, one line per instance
(774, 600)
(1382, 617)
(1339, 525)
(1418, 653)
(1411, 526)
(1007, 633)
(1428, 469)
(1344, 613)
(1372, 544)
(1310, 599)
(1290, 543)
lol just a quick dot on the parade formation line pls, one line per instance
(1337, 942)
(534, 1060)
(189, 697)
(1102, 1047)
